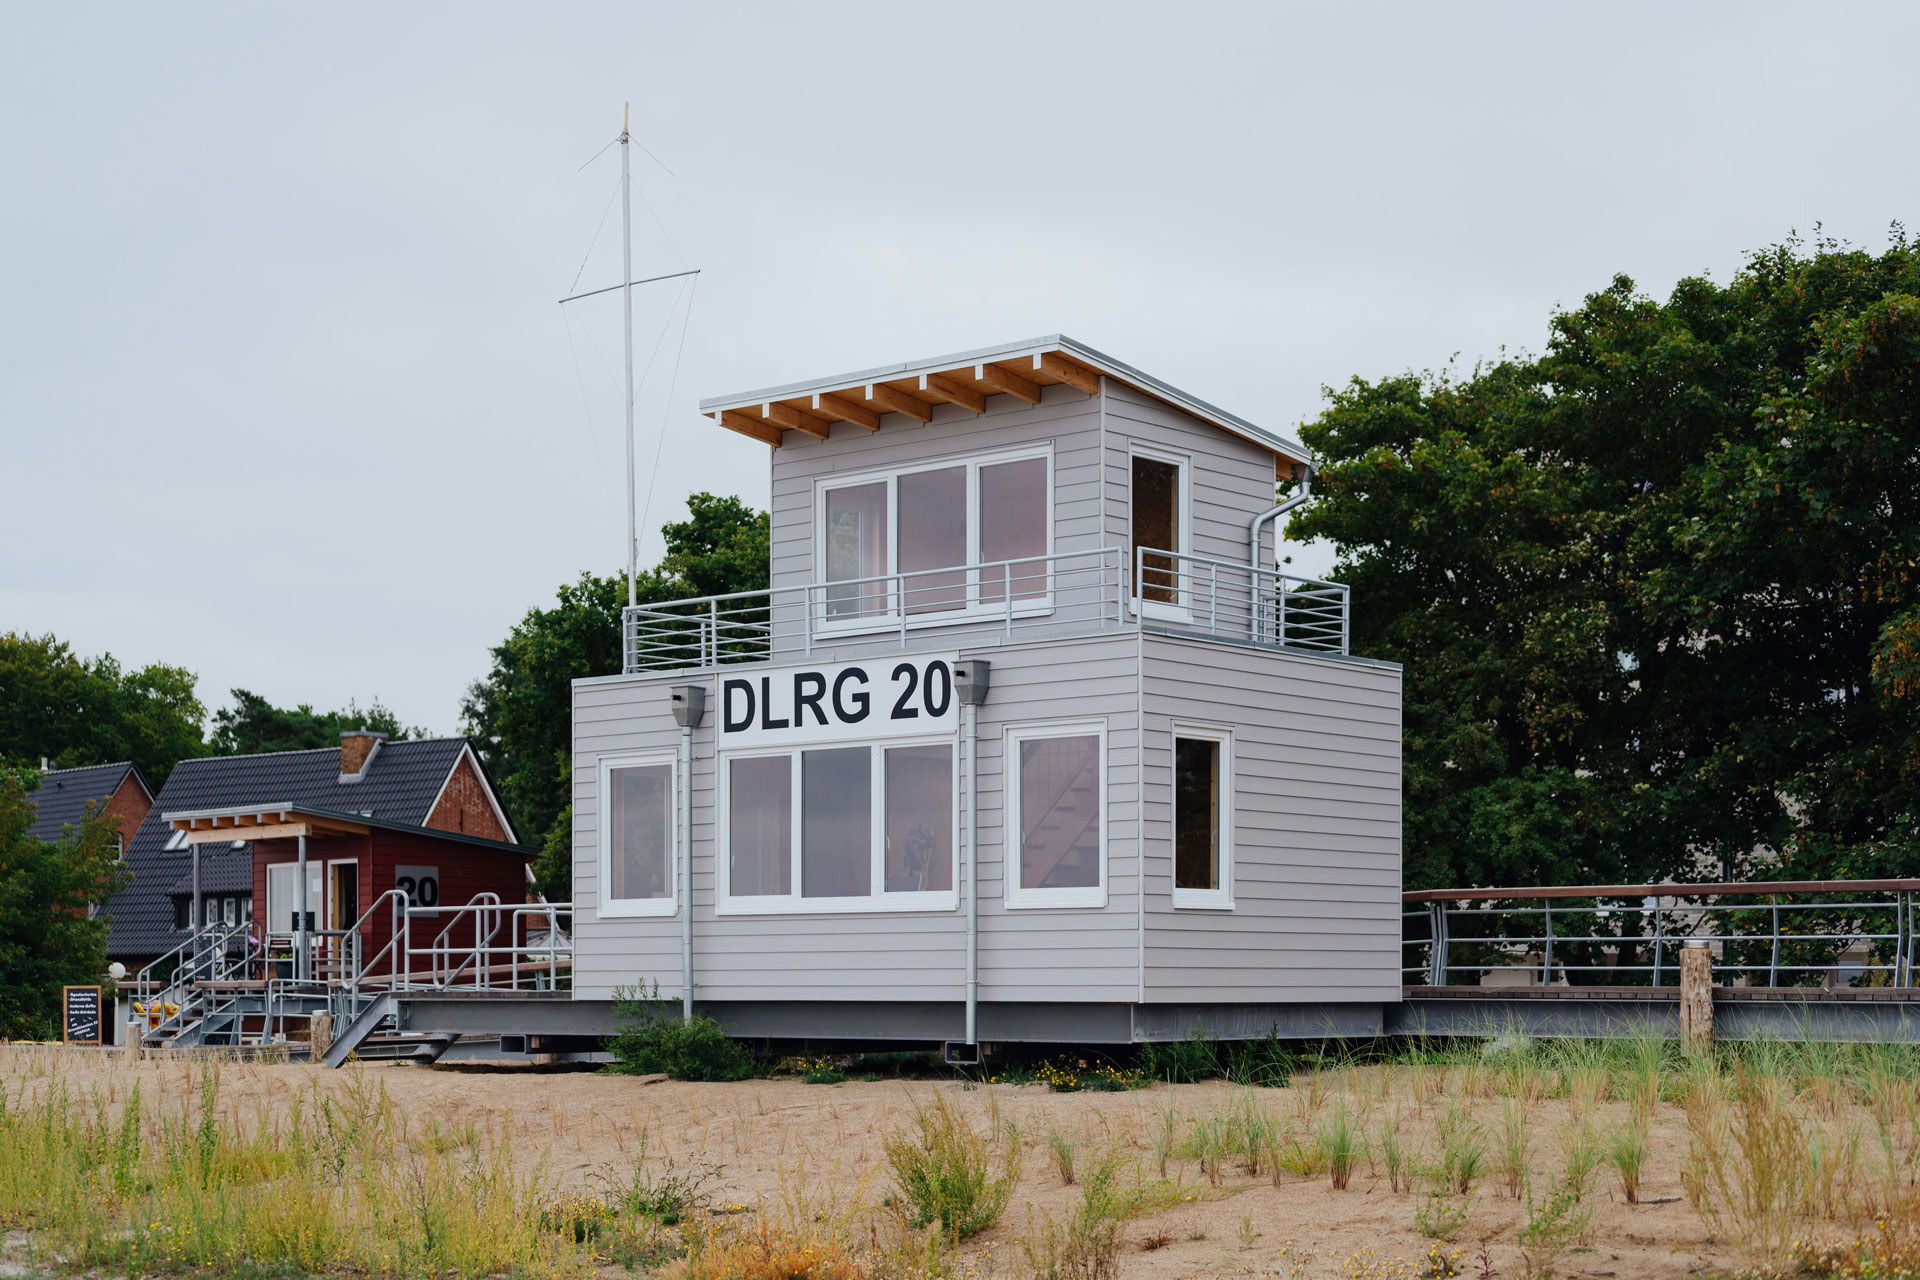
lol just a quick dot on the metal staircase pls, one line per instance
(223, 988)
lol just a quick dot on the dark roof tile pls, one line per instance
(63, 794)
(400, 785)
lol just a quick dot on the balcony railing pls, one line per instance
(1070, 591)
(1765, 934)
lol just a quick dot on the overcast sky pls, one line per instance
(285, 397)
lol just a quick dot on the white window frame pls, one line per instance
(1220, 899)
(1181, 609)
(879, 901)
(610, 907)
(329, 892)
(974, 608)
(1013, 893)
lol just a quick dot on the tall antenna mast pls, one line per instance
(626, 299)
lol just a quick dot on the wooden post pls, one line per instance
(320, 1036)
(1696, 997)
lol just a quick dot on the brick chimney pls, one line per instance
(357, 750)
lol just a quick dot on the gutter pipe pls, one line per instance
(1254, 525)
(685, 799)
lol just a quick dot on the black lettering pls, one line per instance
(803, 699)
(862, 701)
(901, 711)
(766, 706)
(731, 723)
(945, 681)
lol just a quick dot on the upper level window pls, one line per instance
(1202, 818)
(1056, 809)
(636, 835)
(948, 531)
(1160, 506)
(859, 828)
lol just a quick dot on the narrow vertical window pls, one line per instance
(1055, 817)
(1013, 526)
(639, 833)
(856, 537)
(919, 819)
(836, 823)
(1155, 498)
(933, 535)
(1202, 821)
(760, 826)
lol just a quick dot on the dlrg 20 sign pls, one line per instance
(882, 698)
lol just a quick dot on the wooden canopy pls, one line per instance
(270, 822)
(1023, 370)
(915, 395)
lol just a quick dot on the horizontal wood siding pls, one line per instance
(1232, 479)
(1316, 835)
(1067, 418)
(466, 872)
(1047, 955)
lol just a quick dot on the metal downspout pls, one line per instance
(685, 800)
(969, 720)
(199, 917)
(302, 960)
(1253, 550)
(1253, 525)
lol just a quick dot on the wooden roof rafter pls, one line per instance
(965, 383)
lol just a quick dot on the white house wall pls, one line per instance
(1054, 954)
(1067, 418)
(1316, 836)
(1231, 480)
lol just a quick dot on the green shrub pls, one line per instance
(944, 1171)
(1182, 1061)
(653, 1038)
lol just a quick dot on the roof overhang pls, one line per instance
(283, 821)
(262, 822)
(1021, 369)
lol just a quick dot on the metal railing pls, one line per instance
(1077, 590)
(1764, 933)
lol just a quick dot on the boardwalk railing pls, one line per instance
(1103, 588)
(1763, 933)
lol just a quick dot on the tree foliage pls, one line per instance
(520, 714)
(47, 938)
(255, 725)
(76, 711)
(1654, 589)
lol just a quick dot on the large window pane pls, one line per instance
(1196, 813)
(836, 823)
(1156, 526)
(933, 535)
(1060, 812)
(641, 838)
(1013, 525)
(857, 548)
(760, 826)
(919, 819)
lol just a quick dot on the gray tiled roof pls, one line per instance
(399, 784)
(63, 795)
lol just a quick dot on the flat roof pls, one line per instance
(964, 378)
(249, 822)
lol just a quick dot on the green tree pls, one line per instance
(75, 711)
(1642, 584)
(520, 714)
(255, 725)
(47, 937)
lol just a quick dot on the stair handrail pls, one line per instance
(399, 943)
(480, 904)
(522, 914)
(190, 957)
